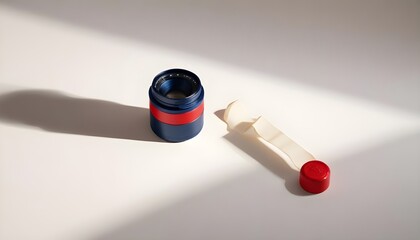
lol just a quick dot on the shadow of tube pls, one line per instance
(266, 157)
(57, 112)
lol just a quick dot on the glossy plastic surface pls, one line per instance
(315, 176)
(176, 105)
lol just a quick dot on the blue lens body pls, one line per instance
(178, 96)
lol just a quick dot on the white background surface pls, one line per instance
(78, 161)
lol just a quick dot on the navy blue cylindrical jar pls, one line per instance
(176, 105)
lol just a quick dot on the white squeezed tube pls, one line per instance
(238, 119)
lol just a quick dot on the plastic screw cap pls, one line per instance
(314, 176)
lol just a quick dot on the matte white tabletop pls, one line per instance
(79, 161)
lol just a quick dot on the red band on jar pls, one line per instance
(179, 118)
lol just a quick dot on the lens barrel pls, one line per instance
(176, 105)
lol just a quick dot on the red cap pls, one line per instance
(314, 176)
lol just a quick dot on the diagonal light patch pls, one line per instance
(328, 124)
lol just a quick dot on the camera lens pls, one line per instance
(176, 105)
